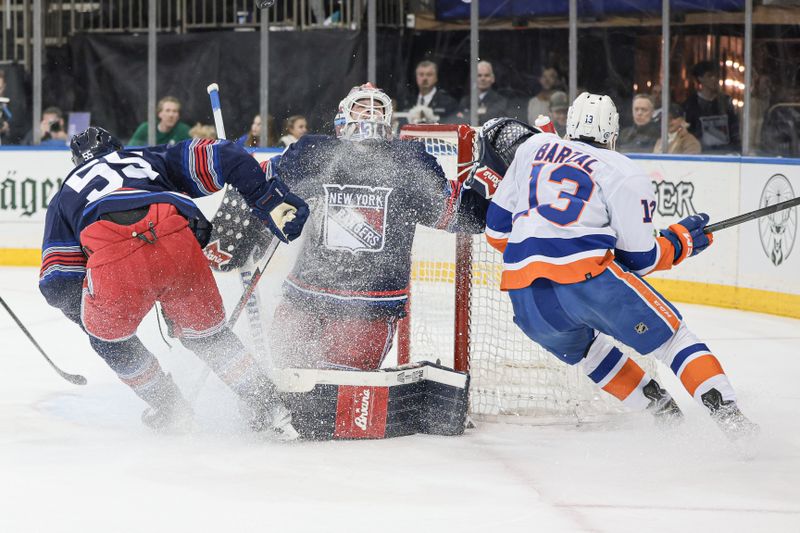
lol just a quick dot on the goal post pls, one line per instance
(457, 315)
(454, 147)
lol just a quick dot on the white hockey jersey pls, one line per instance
(565, 210)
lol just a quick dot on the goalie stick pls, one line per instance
(246, 270)
(76, 379)
(752, 215)
(247, 275)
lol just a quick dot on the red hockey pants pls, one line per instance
(132, 267)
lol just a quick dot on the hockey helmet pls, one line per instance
(92, 142)
(498, 142)
(593, 118)
(365, 113)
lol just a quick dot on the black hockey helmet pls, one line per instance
(500, 137)
(92, 142)
(498, 141)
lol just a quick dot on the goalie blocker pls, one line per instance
(341, 404)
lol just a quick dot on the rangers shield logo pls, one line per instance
(355, 217)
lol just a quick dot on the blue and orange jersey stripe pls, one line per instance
(570, 272)
(650, 296)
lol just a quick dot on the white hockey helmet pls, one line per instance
(365, 113)
(593, 118)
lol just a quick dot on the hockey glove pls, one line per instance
(283, 212)
(688, 237)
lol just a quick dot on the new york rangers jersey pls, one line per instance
(366, 199)
(129, 179)
(566, 209)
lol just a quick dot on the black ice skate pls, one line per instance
(728, 417)
(662, 406)
(169, 412)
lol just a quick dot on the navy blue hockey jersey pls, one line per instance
(130, 179)
(366, 199)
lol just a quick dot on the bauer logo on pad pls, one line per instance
(355, 217)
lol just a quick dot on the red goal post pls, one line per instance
(455, 148)
(458, 315)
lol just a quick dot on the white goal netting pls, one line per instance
(512, 377)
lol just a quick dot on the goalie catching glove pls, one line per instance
(283, 212)
(688, 237)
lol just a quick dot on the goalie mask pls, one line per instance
(593, 118)
(92, 142)
(365, 113)
(499, 139)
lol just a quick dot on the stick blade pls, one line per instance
(75, 379)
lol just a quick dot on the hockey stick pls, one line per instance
(251, 286)
(216, 109)
(249, 281)
(752, 215)
(72, 378)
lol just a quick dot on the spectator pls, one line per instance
(203, 131)
(490, 103)
(5, 113)
(710, 113)
(251, 139)
(169, 129)
(679, 140)
(760, 102)
(558, 107)
(642, 135)
(438, 102)
(550, 82)
(295, 127)
(655, 96)
(51, 129)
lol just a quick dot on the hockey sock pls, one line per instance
(616, 373)
(230, 361)
(694, 364)
(136, 367)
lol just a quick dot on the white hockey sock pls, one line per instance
(694, 364)
(616, 373)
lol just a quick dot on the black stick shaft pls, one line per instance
(72, 378)
(752, 215)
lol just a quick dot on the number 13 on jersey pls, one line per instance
(568, 187)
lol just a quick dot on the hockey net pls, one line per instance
(459, 316)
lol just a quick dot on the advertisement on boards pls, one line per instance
(770, 256)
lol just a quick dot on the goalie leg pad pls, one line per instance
(335, 404)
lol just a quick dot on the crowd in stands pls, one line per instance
(706, 122)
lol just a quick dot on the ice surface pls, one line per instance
(77, 458)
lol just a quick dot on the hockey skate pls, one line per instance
(274, 421)
(169, 412)
(662, 406)
(266, 414)
(729, 418)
